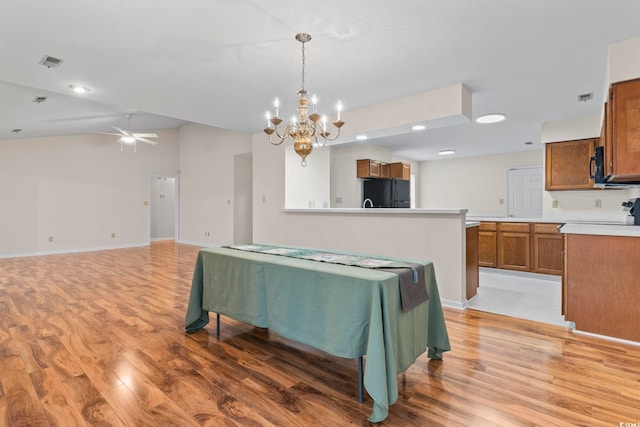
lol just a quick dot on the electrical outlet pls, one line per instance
(501, 201)
(554, 204)
(113, 235)
(146, 203)
(51, 238)
(597, 203)
(338, 200)
(207, 234)
(264, 199)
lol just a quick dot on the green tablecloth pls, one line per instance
(343, 310)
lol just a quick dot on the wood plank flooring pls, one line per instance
(97, 339)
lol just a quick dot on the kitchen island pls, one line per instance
(601, 281)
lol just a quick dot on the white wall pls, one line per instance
(206, 183)
(346, 187)
(308, 186)
(439, 238)
(474, 183)
(79, 189)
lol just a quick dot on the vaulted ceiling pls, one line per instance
(222, 62)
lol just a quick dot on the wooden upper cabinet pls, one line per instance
(624, 119)
(567, 164)
(400, 170)
(367, 168)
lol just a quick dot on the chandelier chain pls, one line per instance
(303, 64)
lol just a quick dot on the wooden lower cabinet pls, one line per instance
(514, 246)
(601, 293)
(473, 274)
(531, 247)
(547, 249)
(487, 245)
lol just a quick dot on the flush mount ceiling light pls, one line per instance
(304, 129)
(79, 89)
(418, 127)
(446, 152)
(361, 137)
(491, 118)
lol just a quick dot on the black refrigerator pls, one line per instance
(386, 193)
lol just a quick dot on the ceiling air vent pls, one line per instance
(585, 97)
(39, 99)
(50, 61)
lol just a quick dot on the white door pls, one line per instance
(163, 197)
(525, 192)
(243, 198)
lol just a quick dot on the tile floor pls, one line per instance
(529, 296)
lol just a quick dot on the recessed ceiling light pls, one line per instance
(446, 152)
(491, 118)
(16, 130)
(361, 137)
(418, 127)
(529, 143)
(79, 89)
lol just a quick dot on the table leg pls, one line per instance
(218, 324)
(360, 381)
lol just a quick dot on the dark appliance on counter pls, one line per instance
(633, 207)
(386, 193)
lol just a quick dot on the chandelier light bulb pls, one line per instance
(339, 108)
(268, 117)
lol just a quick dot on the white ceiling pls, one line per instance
(221, 62)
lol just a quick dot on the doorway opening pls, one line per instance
(163, 207)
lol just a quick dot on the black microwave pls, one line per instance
(596, 166)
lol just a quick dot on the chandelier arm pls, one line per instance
(282, 139)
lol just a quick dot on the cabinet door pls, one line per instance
(567, 165)
(487, 249)
(547, 254)
(626, 131)
(488, 244)
(514, 250)
(384, 170)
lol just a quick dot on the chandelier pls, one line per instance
(304, 128)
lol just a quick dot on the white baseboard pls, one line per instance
(74, 250)
(608, 338)
(201, 244)
(453, 304)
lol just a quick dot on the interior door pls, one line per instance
(525, 192)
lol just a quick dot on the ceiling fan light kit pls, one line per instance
(129, 137)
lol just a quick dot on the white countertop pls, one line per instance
(618, 229)
(470, 224)
(391, 211)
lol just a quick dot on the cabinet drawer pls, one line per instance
(515, 226)
(488, 226)
(546, 228)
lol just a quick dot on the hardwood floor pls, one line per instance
(97, 339)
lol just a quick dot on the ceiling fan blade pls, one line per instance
(145, 135)
(148, 141)
(124, 132)
(107, 133)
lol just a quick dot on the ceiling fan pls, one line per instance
(129, 137)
